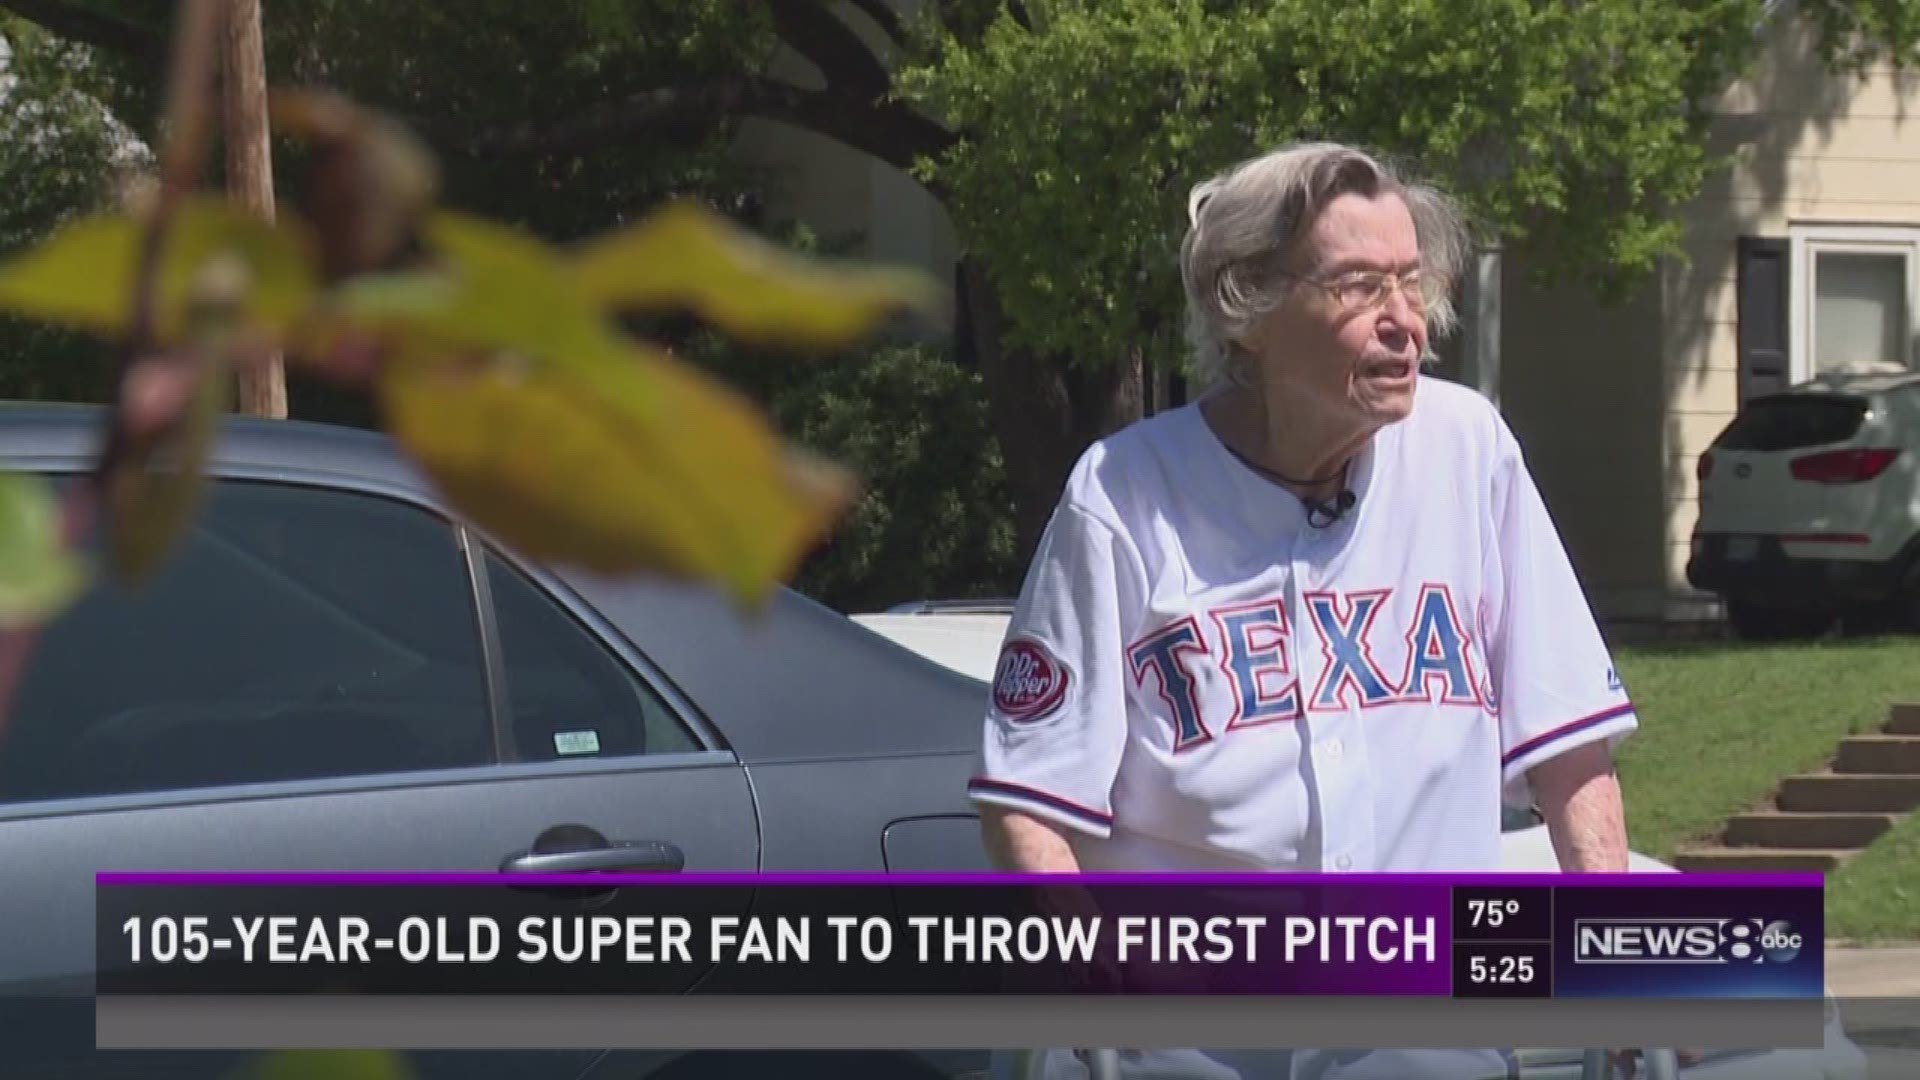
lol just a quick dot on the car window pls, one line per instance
(1791, 421)
(294, 633)
(569, 694)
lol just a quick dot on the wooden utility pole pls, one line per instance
(243, 82)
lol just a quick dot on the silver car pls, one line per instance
(332, 674)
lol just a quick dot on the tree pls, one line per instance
(450, 73)
(60, 149)
(243, 91)
(1063, 134)
(933, 519)
(1084, 125)
(475, 335)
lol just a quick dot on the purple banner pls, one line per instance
(1286, 935)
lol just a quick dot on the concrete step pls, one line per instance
(1879, 754)
(1738, 860)
(1778, 829)
(1849, 793)
(1904, 719)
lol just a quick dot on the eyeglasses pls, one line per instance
(1363, 289)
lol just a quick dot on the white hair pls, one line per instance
(1244, 223)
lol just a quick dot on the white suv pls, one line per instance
(1810, 506)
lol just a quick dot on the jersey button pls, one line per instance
(1335, 748)
(1344, 862)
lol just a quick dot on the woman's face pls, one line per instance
(1355, 363)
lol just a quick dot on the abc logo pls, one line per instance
(1779, 941)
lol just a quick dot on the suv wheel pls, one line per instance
(1754, 622)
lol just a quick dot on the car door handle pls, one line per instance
(631, 856)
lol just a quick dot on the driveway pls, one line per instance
(1879, 992)
(1867, 972)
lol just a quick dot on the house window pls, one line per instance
(1853, 297)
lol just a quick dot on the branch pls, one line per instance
(884, 16)
(889, 131)
(138, 415)
(843, 58)
(664, 111)
(85, 26)
(855, 109)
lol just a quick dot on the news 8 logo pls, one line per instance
(1685, 941)
(1774, 942)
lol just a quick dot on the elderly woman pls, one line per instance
(1318, 619)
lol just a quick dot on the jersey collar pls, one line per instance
(1258, 503)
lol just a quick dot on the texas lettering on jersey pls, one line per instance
(1255, 649)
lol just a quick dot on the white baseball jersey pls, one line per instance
(1198, 678)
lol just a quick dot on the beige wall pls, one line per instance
(1580, 384)
(1809, 148)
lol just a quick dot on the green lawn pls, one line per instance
(1876, 897)
(1721, 723)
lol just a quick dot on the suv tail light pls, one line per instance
(1704, 467)
(1843, 466)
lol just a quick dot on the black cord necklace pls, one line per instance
(1282, 477)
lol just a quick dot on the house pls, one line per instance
(1802, 253)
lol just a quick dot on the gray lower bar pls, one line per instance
(597, 1022)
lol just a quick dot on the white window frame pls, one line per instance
(1809, 241)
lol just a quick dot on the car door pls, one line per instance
(326, 677)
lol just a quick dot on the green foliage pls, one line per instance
(487, 68)
(463, 74)
(59, 149)
(934, 517)
(1567, 127)
(1855, 34)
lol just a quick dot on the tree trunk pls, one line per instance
(1045, 412)
(263, 387)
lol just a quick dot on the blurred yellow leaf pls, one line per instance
(497, 289)
(565, 464)
(83, 275)
(329, 1065)
(39, 574)
(685, 256)
(155, 495)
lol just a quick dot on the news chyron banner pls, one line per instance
(1581, 951)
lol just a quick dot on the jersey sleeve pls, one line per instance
(1554, 685)
(1056, 722)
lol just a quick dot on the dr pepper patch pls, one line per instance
(1029, 682)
